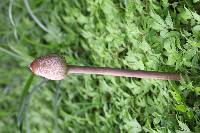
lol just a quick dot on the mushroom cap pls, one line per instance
(52, 67)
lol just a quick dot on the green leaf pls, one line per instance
(134, 60)
(27, 86)
(196, 29)
(176, 95)
(186, 14)
(159, 24)
(195, 1)
(21, 51)
(190, 114)
(133, 126)
(196, 17)
(9, 52)
(184, 127)
(24, 102)
(181, 108)
(197, 90)
(169, 21)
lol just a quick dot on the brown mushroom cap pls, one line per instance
(52, 67)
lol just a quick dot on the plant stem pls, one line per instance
(123, 72)
(34, 17)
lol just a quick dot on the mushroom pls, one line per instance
(53, 67)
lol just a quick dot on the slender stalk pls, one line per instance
(123, 73)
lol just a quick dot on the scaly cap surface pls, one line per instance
(52, 67)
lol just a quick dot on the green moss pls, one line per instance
(146, 35)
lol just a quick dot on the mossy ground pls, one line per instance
(143, 35)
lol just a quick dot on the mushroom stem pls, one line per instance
(124, 73)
